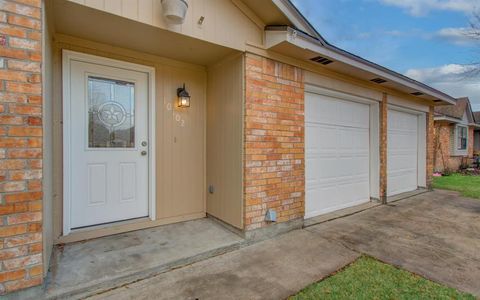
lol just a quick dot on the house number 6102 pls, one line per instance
(178, 117)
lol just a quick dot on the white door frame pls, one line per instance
(67, 57)
(421, 142)
(374, 131)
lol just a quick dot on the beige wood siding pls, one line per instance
(224, 24)
(180, 143)
(180, 134)
(224, 140)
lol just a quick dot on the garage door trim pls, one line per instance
(309, 88)
(421, 142)
(374, 155)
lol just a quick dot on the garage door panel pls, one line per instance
(336, 112)
(405, 142)
(402, 182)
(337, 154)
(402, 157)
(334, 194)
(401, 162)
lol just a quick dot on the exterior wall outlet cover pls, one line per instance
(211, 189)
(271, 216)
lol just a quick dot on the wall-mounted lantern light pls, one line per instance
(183, 97)
(174, 11)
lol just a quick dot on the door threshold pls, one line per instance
(405, 195)
(89, 233)
(109, 224)
(103, 225)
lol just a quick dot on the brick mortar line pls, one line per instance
(25, 4)
(21, 16)
(273, 105)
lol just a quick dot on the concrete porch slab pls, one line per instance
(84, 268)
(272, 269)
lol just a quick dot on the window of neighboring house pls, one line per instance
(462, 133)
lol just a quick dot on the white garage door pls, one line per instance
(337, 154)
(402, 149)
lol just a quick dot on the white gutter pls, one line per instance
(282, 34)
(447, 118)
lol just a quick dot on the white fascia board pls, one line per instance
(304, 41)
(448, 119)
(273, 38)
(297, 19)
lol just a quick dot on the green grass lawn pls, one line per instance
(469, 186)
(368, 278)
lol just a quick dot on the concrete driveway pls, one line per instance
(436, 235)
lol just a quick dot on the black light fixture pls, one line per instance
(183, 97)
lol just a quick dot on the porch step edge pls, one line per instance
(102, 286)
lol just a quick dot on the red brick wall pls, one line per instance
(443, 159)
(383, 147)
(430, 146)
(20, 145)
(274, 141)
(470, 141)
(442, 146)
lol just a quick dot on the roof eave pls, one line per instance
(446, 119)
(305, 41)
(296, 17)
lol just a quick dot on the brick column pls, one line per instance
(441, 147)
(274, 141)
(471, 132)
(383, 147)
(430, 146)
(20, 145)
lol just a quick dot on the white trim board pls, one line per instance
(311, 88)
(67, 57)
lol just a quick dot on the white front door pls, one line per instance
(106, 144)
(337, 145)
(402, 152)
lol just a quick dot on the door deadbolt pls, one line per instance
(144, 143)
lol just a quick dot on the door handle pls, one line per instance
(143, 153)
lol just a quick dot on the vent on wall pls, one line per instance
(321, 60)
(378, 80)
(417, 94)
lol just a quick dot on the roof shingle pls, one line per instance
(454, 111)
(476, 115)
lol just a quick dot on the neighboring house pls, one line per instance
(454, 135)
(476, 134)
(99, 137)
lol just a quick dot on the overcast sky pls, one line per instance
(423, 39)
